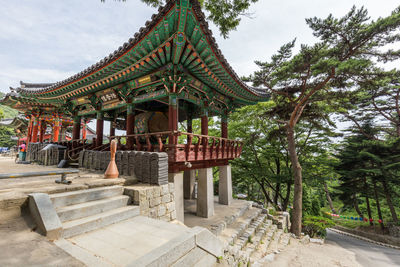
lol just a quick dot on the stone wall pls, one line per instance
(147, 167)
(376, 237)
(157, 202)
(394, 230)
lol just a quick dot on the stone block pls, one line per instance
(170, 206)
(144, 205)
(208, 241)
(157, 191)
(155, 202)
(173, 215)
(153, 213)
(164, 189)
(177, 187)
(205, 193)
(45, 215)
(161, 211)
(149, 193)
(131, 163)
(165, 218)
(166, 198)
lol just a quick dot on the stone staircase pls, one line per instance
(86, 210)
(251, 237)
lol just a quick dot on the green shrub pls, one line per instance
(316, 225)
(315, 207)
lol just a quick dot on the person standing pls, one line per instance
(22, 151)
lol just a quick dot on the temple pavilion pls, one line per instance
(169, 72)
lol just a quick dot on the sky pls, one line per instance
(48, 41)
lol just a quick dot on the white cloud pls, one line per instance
(43, 40)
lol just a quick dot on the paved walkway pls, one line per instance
(21, 246)
(367, 254)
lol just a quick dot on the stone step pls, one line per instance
(284, 241)
(90, 223)
(230, 234)
(250, 232)
(81, 196)
(263, 245)
(85, 209)
(274, 244)
(252, 246)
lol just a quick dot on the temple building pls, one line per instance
(169, 72)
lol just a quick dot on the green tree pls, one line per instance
(347, 49)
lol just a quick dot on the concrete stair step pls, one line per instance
(90, 223)
(230, 234)
(85, 209)
(81, 196)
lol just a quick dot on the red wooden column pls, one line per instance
(42, 131)
(130, 125)
(35, 130)
(84, 128)
(173, 117)
(29, 133)
(99, 128)
(56, 129)
(76, 132)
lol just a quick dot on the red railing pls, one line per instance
(194, 147)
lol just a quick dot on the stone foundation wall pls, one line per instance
(147, 167)
(157, 202)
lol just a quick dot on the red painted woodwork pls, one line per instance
(29, 133)
(56, 133)
(99, 132)
(215, 152)
(76, 132)
(224, 129)
(35, 129)
(173, 119)
(84, 130)
(130, 128)
(42, 130)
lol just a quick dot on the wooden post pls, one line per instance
(130, 125)
(173, 117)
(84, 129)
(76, 132)
(204, 123)
(42, 132)
(29, 133)
(35, 130)
(56, 129)
(99, 129)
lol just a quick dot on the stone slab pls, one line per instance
(45, 215)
